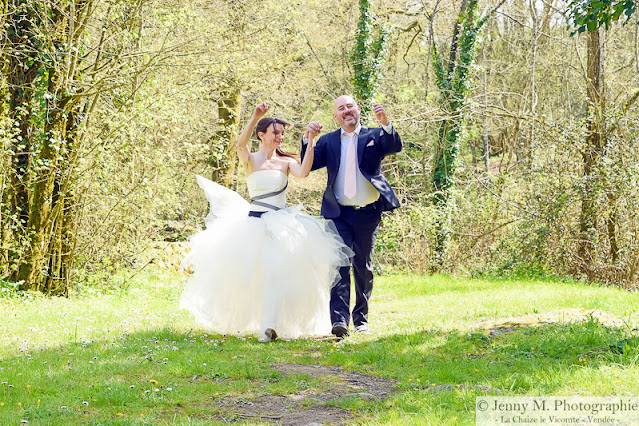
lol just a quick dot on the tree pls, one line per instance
(55, 69)
(454, 83)
(367, 57)
(593, 149)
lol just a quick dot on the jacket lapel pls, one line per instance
(335, 145)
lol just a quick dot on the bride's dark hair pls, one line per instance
(265, 123)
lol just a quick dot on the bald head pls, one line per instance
(346, 112)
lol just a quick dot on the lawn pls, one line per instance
(127, 355)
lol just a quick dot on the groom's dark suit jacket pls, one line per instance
(373, 145)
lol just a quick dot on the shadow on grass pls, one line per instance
(170, 377)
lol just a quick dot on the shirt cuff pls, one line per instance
(304, 140)
(389, 128)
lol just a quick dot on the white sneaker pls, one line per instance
(269, 336)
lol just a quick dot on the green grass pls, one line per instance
(130, 356)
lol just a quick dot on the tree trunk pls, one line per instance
(612, 227)
(62, 243)
(367, 59)
(592, 151)
(52, 216)
(452, 82)
(31, 269)
(229, 119)
(485, 143)
(43, 264)
(5, 164)
(22, 68)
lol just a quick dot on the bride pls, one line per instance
(263, 268)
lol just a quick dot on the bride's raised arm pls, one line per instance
(243, 151)
(302, 170)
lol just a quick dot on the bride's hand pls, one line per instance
(313, 129)
(261, 109)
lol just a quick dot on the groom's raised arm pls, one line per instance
(391, 142)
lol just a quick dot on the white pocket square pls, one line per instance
(371, 143)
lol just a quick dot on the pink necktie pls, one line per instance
(350, 175)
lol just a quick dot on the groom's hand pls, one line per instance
(380, 113)
(313, 129)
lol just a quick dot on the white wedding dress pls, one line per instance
(275, 271)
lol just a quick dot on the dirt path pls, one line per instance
(561, 316)
(310, 406)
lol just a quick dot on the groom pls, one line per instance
(356, 195)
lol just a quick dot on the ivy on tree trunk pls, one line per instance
(454, 83)
(43, 101)
(367, 58)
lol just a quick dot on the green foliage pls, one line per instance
(589, 15)
(9, 288)
(412, 223)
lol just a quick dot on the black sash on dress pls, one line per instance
(257, 202)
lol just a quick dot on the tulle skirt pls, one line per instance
(275, 272)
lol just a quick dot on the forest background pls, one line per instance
(109, 108)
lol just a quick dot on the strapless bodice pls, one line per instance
(267, 189)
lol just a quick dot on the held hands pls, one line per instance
(261, 109)
(313, 129)
(380, 113)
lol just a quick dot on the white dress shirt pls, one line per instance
(366, 192)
